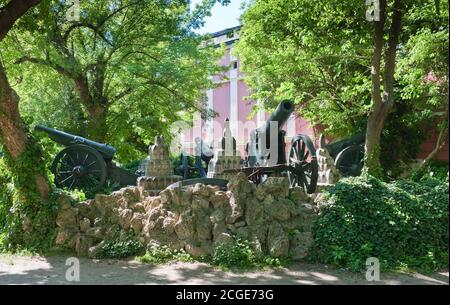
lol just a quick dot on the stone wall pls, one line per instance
(277, 220)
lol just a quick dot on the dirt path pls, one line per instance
(52, 270)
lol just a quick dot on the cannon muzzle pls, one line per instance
(68, 139)
(280, 115)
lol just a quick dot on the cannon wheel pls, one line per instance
(79, 166)
(302, 157)
(349, 161)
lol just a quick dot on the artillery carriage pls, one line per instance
(84, 164)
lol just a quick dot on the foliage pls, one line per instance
(121, 247)
(316, 53)
(122, 74)
(27, 221)
(433, 169)
(403, 223)
(319, 53)
(239, 254)
(163, 254)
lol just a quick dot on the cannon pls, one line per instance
(84, 164)
(299, 164)
(193, 166)
(348, 154)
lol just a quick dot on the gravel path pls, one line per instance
(52, 270)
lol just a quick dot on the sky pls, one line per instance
(222, 17)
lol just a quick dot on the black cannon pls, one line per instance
(300, 163)
(348, 154)
(84, 164)
(195, 166)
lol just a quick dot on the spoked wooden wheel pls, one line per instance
(302, 159)
(79, 167)
(349, 161)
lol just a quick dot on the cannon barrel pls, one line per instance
(280, 115)
(336, 147)
(68, 139)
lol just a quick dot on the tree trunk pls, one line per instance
(382, 103)
(17, 141)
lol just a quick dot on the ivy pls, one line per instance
(403, 223)
(27, 220)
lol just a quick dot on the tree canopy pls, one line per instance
(120, 74)
(321, 55)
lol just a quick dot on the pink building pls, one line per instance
(228, 100)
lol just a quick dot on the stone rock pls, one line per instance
(87, 209)
(204, 229)
(151, 203)
(201, 190)
(243, 232)
(85, 224)
(301, 243)
(198, 249)
(125, 218)
(176, 196)
(213, 189)
(278, 187)
(96, 233)
(237, 210)
(321, 200)
(240, 184)
(218, 230)
(184, 228)
(165, 197)
(67, 216)
(217, 216)
(186, 197)
(254, 213)
(223, 238)
(279, 210)
(82, 245)
(169, 224)
(219, 199)
(297, 194)
(260, 192)
(98, 222)
(306, 208)
(66, 236)
(137, 222)
(111, 232)
(155, 213)
(240, 224)
(278, 241)
(94, 251)
(138, 207)
(199, 203)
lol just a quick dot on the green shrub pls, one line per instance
(119, 247)
(404, 223)
(433, 169)
(162, 254)
(239, 254)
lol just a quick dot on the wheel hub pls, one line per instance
(79, 171)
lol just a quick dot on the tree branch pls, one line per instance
(12, 11)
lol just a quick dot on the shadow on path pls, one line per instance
(52, 270)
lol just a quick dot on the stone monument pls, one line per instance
(227, 157)
(158, 169)
(328, 173)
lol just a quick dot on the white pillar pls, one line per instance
(233, 98)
